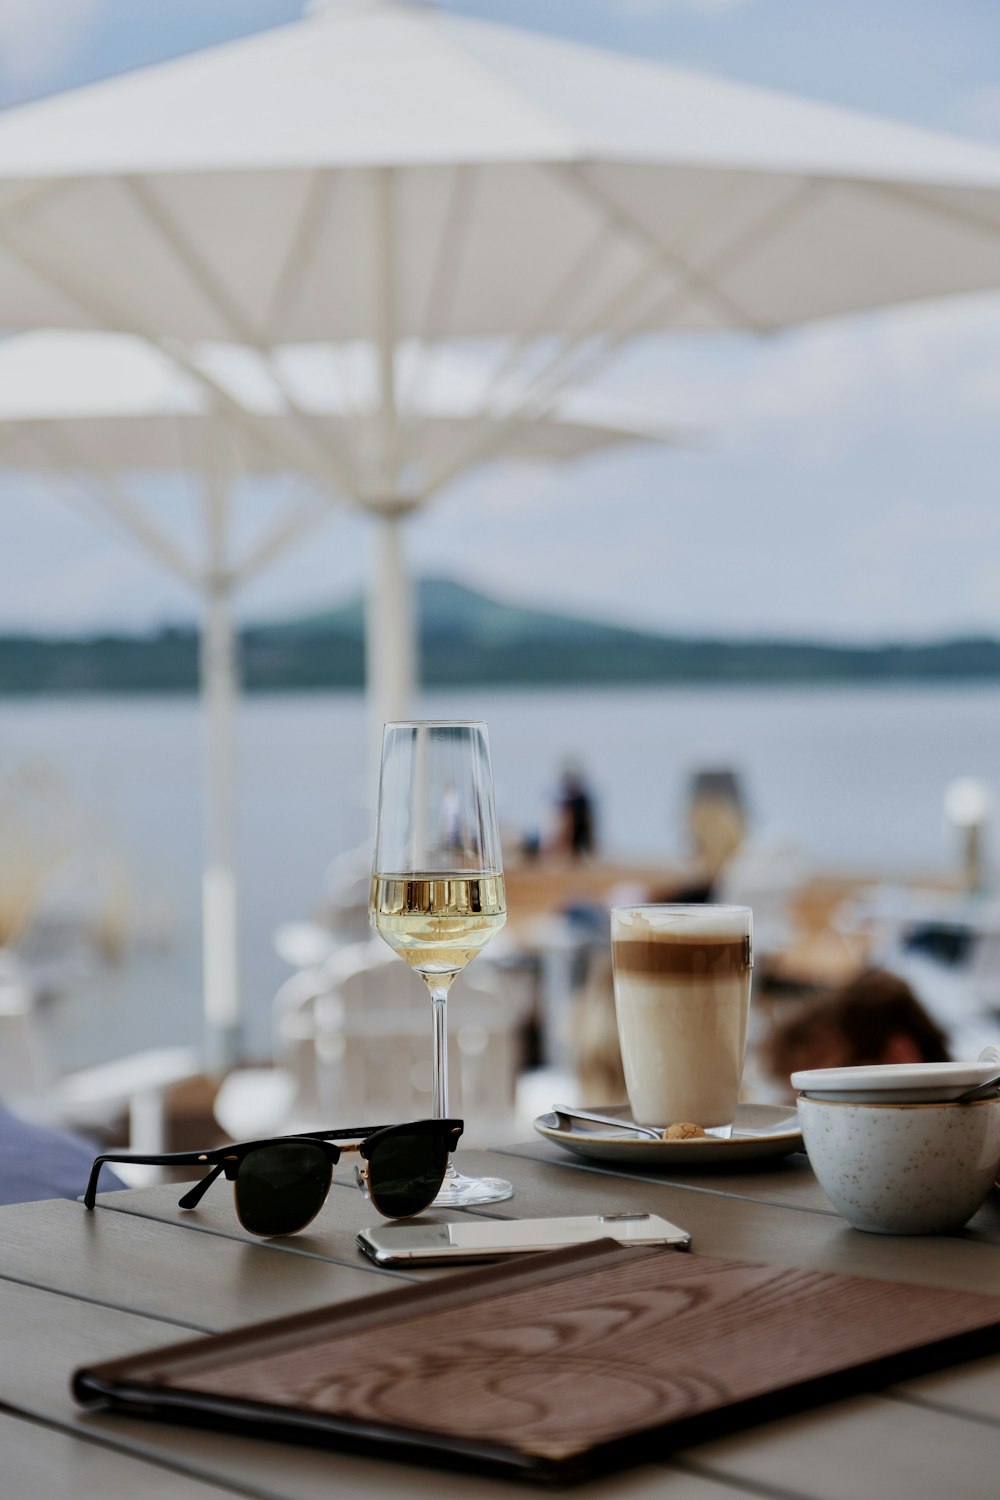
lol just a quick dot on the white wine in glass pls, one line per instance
(437, 880)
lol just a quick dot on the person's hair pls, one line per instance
(863, 1016)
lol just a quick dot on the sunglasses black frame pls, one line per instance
(364, 1139)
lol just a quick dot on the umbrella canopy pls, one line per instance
(243, 191)
(387, 173)
(91, 411)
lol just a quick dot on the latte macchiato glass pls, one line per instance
(682, 998)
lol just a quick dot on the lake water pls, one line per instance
(854, 777)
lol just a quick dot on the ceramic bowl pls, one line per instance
(903, 1168)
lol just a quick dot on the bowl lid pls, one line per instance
(894, 1081)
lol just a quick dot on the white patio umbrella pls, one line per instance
(392, 174)
(92, 412)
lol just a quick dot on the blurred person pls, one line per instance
(574, 833)
(452, 835)
(876, 1018)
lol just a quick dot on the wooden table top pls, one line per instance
(76, 1287)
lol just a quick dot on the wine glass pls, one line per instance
(437, 880)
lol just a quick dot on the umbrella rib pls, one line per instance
(766, 228)
(558, 381)
(106, 314)
(301, 250)
(662, 255)
(612, 221)
(292, 277)
(30, 201)
(597, 324)
(89, 504)
(451, 248)
(544, 387)
(300, 518)
(444, 276)
(338, 360)
(913, 199)
(386, 291)
(195, 266)
(551, 308)
(112, 499)
(489, 435)
(218, 299)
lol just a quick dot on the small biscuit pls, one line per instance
(684, 1131)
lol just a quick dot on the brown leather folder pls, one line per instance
(557, 1365)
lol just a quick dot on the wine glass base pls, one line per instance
(466, 1192)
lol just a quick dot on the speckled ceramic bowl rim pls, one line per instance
(885, 1104)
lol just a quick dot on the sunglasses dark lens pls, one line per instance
(279, 1188)
(405, 1173)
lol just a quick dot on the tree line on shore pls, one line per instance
(466, 637)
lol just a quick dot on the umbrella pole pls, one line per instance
(389, 626)
(219, 694)
(219, 905)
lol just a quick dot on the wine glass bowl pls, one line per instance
(438, 921)
(437, 893)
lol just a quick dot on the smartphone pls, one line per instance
(487, 1239)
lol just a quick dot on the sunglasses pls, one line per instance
(280, 1185)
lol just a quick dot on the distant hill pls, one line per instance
(467, 637)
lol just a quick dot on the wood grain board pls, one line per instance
(549, 1362)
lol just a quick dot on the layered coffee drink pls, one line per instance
(682, 998)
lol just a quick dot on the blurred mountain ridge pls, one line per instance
(468, 637)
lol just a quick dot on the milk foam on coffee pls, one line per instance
(682, 997)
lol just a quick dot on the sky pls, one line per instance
(838, 482)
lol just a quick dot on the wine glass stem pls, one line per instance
(439, 1004)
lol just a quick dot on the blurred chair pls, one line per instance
(347, 886)
(353, 1045)
(984, 961)
(90, 1099)
(374, 1043)
(767, 873)
(716, 819)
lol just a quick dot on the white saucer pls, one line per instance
(894, 1083)
(779, 1127)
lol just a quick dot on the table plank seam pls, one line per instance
(597, 1170)
(702, 1470)
(155, 1457)
(120, 1443)
(478, 1213)
(56, 1291)
(705, 1468)
(980, 1236)
(906, 1398)
(684, 1464)
(360, 1264)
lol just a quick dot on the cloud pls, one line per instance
(979, 112)
(660, 7)
(37, 37)
(824, 390)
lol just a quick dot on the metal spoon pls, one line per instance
(570, 1112)
(564, 1112)
(981, 1091)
